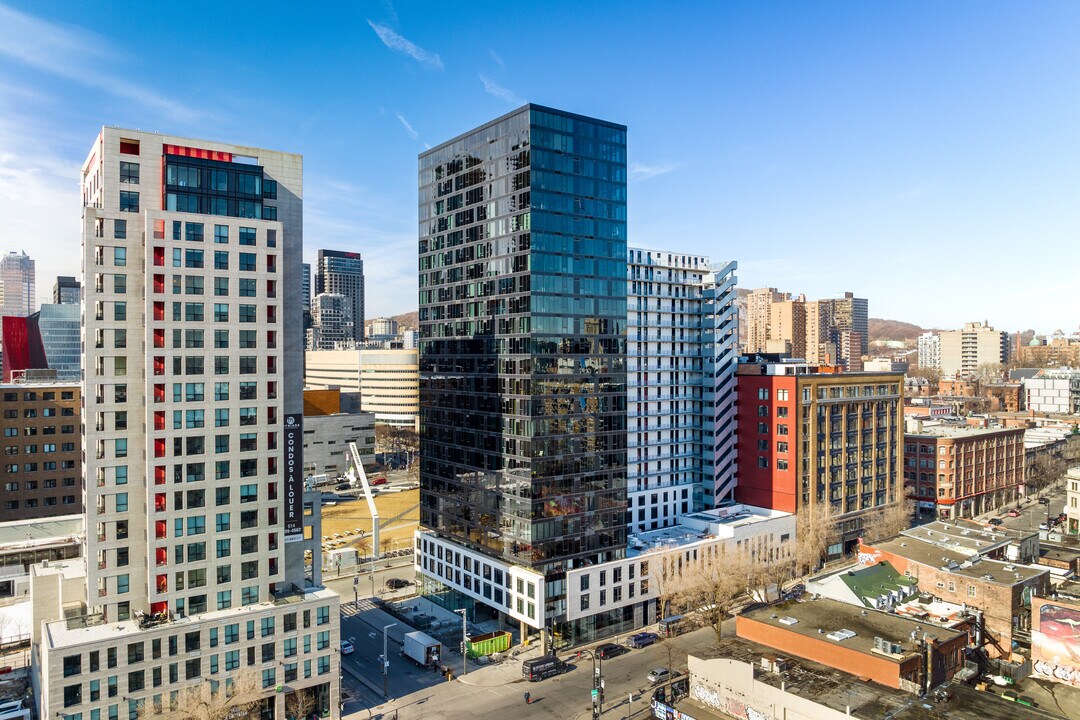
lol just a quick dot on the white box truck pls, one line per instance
(422, 649)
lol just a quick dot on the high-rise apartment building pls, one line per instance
(929, 349)
(811, 436)
(787, 327)
(193, 419)
(383, 327)
(682, 348)
(42, 440)
(17, 297)
(331, 322)
(523, 315)
(758, 315)
(342, 273)
(851, 314)
(976, 344)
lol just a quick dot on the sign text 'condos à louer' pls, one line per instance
(294, 478)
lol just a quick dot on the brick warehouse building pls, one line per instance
(810, 435)
(961, 471)
(888, 649)
(42, 437)
(1001, 592)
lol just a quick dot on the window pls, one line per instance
(247, 236)
(247, 287)
(72, 665)
(221, 286)
(247, 260)
(221, 312)
(120, 229)
(221, 260)
(129, 173)
(129, 201)
(193, 312)
(221, 392)
(193, 232)
(120, 311)
(247, 313)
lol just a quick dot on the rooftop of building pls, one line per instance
(700, 526)
(81, 630)
(1061, 554)
(1069, 590)
(21, 534)
(846, 694)
(960, 431)
(959, 563)
(826, 620)
(967, 535)
(929, 609)
(871, 581)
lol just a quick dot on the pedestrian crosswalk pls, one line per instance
(350, 608)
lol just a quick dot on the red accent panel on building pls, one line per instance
(16, 346)
(197, 153)
(767, 486)
(129, 147)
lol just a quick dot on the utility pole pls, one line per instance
(385, 661)
(356, 592)
(464, 641)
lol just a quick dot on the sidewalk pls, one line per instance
(501, 673)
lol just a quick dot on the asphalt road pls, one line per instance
(1031, 511)
(421, 694)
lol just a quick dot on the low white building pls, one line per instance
(1053, 391)
(630, 585)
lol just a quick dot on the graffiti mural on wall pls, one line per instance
(1055, 643)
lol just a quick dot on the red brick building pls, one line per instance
(1000, 591)
(962, 471)
(865, 643)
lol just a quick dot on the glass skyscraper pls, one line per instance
(523, 312)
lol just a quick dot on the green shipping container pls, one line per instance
(493, 642)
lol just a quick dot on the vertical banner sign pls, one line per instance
(294, 478)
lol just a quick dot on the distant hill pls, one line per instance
(881, 329)
(408, 321)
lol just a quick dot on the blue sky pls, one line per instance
(922, 155)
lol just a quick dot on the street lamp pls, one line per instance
(385, 661)
(598, 682)
(464, 641)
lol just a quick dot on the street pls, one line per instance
(497, 691)
(1031, 511)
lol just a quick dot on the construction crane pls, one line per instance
(357, 472)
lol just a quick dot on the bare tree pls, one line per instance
(385, 544)
(666, 578)
(238, 697)
(714, 587)
(816, 531)
(299, 704)
(889, 520)
(1045, 471)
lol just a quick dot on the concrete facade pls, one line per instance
(327, 438)
(975, 345)
(388, 380)
(165, 568)
(1053, 392)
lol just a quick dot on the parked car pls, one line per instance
(658, 675)
(1044, 501)
(1014, 513)
(397, 583)
(347, 647)
(995, 521)
(1010, 695)
(641, 640)
(342, 486)
(378, 481)
(1025, 700)
(609, 650)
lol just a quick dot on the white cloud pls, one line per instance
(392, 40)
(408, 127)
(640, 171)
(492, 88)
(498, 60)
(78, 56)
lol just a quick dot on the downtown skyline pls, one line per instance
(844, 148)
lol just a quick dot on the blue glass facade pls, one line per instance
(523, 341)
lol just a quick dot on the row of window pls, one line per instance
(33, 502)
(46, 466)
(32, 395)
(33, 413)
(32, 449)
